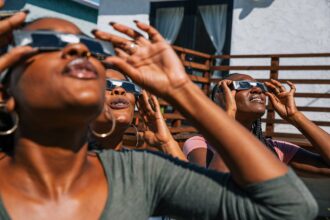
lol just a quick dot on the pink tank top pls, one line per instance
(284, 150)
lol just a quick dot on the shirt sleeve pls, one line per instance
(193, 143)
(284, 150)
(186, 191)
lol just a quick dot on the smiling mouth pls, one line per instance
(119, 103)
(257, 99)
(80, 68)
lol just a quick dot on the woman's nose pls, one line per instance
(75, 50)
(256, 89)
(119, 91)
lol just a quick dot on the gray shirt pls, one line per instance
(143, 183)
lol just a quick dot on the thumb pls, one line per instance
(272, 97)
(14, 56)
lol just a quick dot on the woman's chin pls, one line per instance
(123, 119)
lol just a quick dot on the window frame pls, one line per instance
(191, 7)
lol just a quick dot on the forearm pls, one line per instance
(317, 136)
(246, 157)
(172, 148)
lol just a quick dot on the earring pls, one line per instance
(137, 135)
(104, 135)
(15, 119)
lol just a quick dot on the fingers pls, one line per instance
(156, 103)
(273, 88)
(142, 103)
(292, 87)
(2, 3)
(154, 35)
(123, 66)
(272, 97)
(122, 54)
(279, 85)
(116, 40)
(278, 89)
(12, 22)
(147, 102)
(14, 56)
(124, 44)
(138, 37)
(224, 85)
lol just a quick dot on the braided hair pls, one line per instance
(257, 131)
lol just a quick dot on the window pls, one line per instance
(192, 31)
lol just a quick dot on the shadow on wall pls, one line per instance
(247, 6)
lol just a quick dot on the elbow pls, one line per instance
(306, 208)
(293, 200)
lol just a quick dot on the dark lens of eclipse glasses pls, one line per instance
(48, 41)
(128, 86)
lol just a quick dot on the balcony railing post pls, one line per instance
(207, 74)
(275, 62)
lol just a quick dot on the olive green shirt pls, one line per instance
(142, 184)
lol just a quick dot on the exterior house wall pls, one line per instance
(261, 27)
(282, 26)
(85, 17)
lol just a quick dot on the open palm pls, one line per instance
(152, 64)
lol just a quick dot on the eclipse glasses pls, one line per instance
(50, 40)
(244, 85)
(128, 86)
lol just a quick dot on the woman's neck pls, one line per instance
(50, 161)
(246, 123)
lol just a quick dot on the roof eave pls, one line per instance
(88, 3)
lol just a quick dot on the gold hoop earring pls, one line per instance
(15, 119)
(107, 134)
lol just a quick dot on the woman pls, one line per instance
(51, 175)
(120, 104)
(247, 105)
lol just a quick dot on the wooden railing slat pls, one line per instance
(301, 55)
(279, 121)
(196, 65)
(202, 62)
(192, 52)
(305, 67)
(199, 79)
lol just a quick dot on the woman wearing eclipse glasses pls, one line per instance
(117, 116)
(244, 99)
(121, 96)
(56, 94)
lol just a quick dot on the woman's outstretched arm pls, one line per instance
(155, 66)
(305, 161)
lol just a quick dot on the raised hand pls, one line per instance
(151, 64)
(6, 26)
(157, 133)
(227, 97)
(9, 24)
(281, 99)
